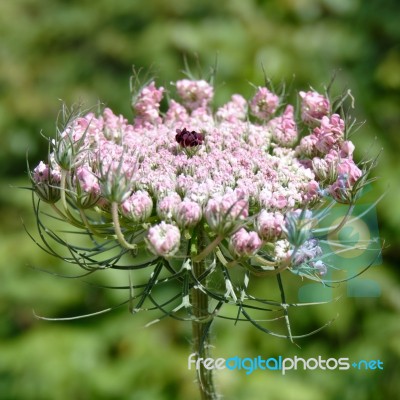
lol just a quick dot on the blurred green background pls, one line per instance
(81, 50)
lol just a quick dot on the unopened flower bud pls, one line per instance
(46, 182)
(325, 170)
(138, 206)
(163, 239)
(88, 181)
(244, 244)
(85, 191)
(187, 214)
(41, 173)
(167, 205)
(269, 225)
(224, 212)
(348, 174)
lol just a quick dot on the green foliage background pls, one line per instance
(84, 51)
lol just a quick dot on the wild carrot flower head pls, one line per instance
(242, 171)
(236, 186)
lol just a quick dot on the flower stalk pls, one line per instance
(117, 228)
(201, 326)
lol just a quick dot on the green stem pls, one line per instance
(117, 228)
(63, 188)
(205, 251)
(201, 327)
(284, 306)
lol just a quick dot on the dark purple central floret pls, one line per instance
(188, 139)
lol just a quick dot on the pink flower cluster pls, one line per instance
(195, 94)
(284, 128)
(326, 150)
(223, 212)
(88, 180)
(314, 106)
(45, 173)
(147, 105)
(269, 225)
(46, 180)
(137, 207)
(264, 103)
(245, 244)
(238, 181)
(163, 239)
(234, 110)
